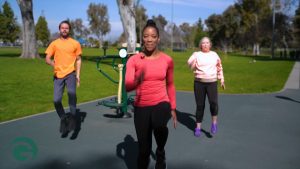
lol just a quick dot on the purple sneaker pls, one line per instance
(214, 128)
(197, 132)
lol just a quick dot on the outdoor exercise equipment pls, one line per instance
(122, 101)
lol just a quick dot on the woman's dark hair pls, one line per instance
(66, 22)
(151, 23)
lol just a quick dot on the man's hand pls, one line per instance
(78, 81)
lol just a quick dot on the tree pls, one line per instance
(29, 48)
(42, 31)
(178, 42)
(2, 26)
(188, 33)
(285, 21)
(161, 20)
(199, 32)
(141, 18)
(215, 28)
(296, 25)
(79, 30)
(98, 20)
(9, 29)
(286, 6)
(122, 38)
(127, 13)
(166, 32)
(229, 27)
(93, 42)
(54, 36)
(284, 30)
(166, 38)
(252, 12)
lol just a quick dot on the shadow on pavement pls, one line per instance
(82, 116)
(187, 120)
(128, 151)
(287, 98)
(93, 161)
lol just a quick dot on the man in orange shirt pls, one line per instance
(66, 65)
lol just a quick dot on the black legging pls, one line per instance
(146, 120)
(202, 89)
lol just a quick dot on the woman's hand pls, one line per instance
(140, 78)
(174, 117)
(223, 85)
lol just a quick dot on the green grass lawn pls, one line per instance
(242, 75)
(27, 84)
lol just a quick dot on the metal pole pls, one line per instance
(124, 93)
(273, 28)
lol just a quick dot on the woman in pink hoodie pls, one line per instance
(207, 69)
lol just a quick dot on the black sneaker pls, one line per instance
(63, 124)
(160, 160)
(75, 134)
(143, 162)
(64, 134)
(71, 121)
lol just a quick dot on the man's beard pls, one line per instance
(64, 35)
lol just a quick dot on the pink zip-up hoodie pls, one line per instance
(206, 66)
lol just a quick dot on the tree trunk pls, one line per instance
(286, 47)
(256, 49)
(127, 13)
(224, 45)
(29, 47)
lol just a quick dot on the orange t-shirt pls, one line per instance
(65, 52)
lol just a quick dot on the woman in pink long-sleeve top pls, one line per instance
(207, 69)
(150, 73)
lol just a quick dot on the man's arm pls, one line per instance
(49, 61)
(78, 66)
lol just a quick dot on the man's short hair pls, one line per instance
(66, 22)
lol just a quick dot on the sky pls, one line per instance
(183, 11)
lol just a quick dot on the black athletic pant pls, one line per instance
(201, 90)
(147, 120)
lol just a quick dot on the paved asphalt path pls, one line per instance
(257, 131)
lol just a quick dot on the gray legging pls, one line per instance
(59, 85)
(202, 89)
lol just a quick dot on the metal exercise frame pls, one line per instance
(122, 101)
